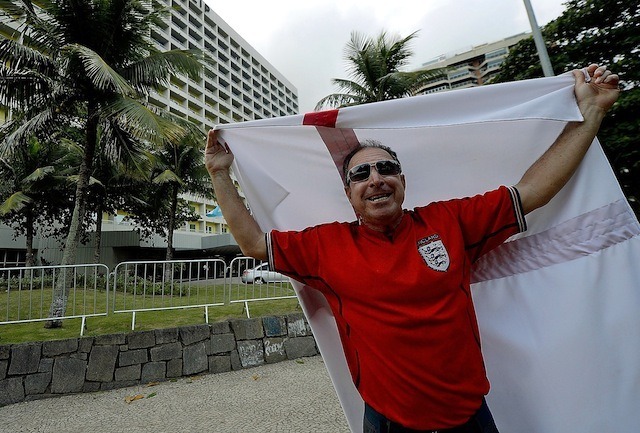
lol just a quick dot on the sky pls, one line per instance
(305, 39)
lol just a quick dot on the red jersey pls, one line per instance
(403, 304)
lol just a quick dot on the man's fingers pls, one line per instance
(597, 74)
(581, 75)
(212, 138)
(214, 144)
(610, 78)
(600, 74)
(591, 70)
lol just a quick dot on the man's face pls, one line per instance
(377, 200)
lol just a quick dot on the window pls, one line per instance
(12, 258)
(496, 53)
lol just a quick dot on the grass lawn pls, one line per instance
(34, 304)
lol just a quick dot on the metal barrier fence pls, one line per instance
(138, 286)
(26, 293)
(255, 282)
(168, 285)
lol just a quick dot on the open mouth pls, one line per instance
(378, 197)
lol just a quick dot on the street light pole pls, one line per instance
(547, 69)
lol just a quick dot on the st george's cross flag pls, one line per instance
(558, 306)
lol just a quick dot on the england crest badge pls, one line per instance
(434, 253)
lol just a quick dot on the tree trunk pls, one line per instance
(30, 259)
(98, 245)
(65, 280)
(172, 221)
(168, 274)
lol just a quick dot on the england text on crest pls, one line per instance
(434, 253)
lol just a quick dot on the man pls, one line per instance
(410, 338)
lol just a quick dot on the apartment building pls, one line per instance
(470, 67)
(238, 85)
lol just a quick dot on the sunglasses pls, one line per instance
(361, 172)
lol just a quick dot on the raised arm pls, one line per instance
(245, 229)
(595, 96)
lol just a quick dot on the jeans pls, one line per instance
(480, 422)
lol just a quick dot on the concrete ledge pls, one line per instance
(32, 371)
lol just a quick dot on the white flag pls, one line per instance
(558, 306)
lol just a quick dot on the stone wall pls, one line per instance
(37, 370)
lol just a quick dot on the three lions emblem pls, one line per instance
(434, 253)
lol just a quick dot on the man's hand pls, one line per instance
(598, 92)
(246, 231)
(217, 156)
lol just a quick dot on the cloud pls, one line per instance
(305, 40)
(311, 50)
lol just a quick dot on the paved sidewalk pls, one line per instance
(287, 397)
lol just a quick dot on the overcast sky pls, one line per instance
(305, 39)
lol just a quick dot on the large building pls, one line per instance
(238, 85)
(470, 67)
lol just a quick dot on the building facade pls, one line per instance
(469, 68)
(238, 84)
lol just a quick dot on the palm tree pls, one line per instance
(119, 173)
(89, 63)
(179, 169)
(374, 66)
(35, 187)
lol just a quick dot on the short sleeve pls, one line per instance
(294, 253)
(487, 220)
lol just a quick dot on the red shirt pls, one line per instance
(403, 303)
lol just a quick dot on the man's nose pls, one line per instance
(375, 177)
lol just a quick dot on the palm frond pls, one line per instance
(40, 123)
(413, 81)
(17, 56)
(74, 178)
(397, 51)
(118, 146)
(41, 33)
(24, 88)
(374, 66)
(158, 67)
(335, 100)
(11, 9)
(142, 122)
(358, 42)
(99, 72)
(167, 176)
(15, 203)
(38, 174)
(357, 90)
(25, 75)
(360, 58)
(94, 181)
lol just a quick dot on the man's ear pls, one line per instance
(404, 184)
(347, 191)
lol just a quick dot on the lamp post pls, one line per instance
(547, 69)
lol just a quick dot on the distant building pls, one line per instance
(240, 85)
(470, 68)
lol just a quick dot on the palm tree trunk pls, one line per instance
(65, 280)
(172, 222)
(30, 259)
(168, 273)
(98, 245)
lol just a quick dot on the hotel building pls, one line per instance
(469, 68)
(239, 85)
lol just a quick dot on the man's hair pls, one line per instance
(365, 145)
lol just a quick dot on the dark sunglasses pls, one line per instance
(361, 172)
